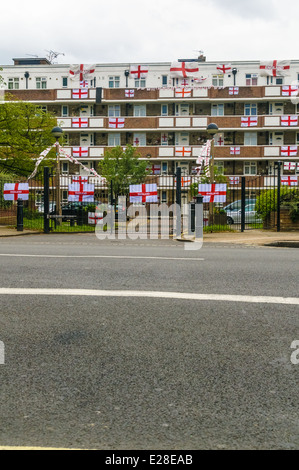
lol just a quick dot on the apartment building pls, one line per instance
(164, 110)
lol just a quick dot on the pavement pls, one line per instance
(249, 237)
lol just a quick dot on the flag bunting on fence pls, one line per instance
(289, 180)
(81, 192)
(15, 191)
(39, 160)
(212, 192)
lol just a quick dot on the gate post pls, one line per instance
(46, 200)
(178, 201)
(243, 202)
(199, 217)
(278, 193)
(20, 216)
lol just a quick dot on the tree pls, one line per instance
(25, 131)
(122, 168)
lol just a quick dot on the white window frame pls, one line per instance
(250, 138)
(218, 79)
(251, 78)
(65, 108)
(182, 109)
(13, 83)
(41, 83)
(139, 110)
(114, 81)
(251, 107)
(67, 82)
(141, 136)
(166, 109)
(140, 82)
(217, 109)
(114, 110)
(250, 168)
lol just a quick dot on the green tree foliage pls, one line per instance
(122, 168)
(25, 131)
(267, 202)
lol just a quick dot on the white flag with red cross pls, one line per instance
(233, 90)
(80, 179)
(289, 90)
(154, 169)
(275, 68)
(84, 84)
(95, 218)
(289, 180)
(183, 92)
(80, 122)
(212, 192)
(289, 150)
(79, 93)
(129, 93)
(235, 150)
(139, 71)
(15, 191)
(183, 151)
(183, 69)
(82, 72)
(224, 68)
(80, 151)
(248, 121)
(185, 181)
(143, 193)
(289, 121)
(289, 166)
(116, 123)
(81, 192)
(234, 180)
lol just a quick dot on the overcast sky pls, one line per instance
(101, 31)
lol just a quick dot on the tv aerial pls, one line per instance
(52, 56)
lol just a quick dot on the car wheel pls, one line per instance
(229, 221)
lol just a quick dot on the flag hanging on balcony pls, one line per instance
(289, 180)
(15, 191)
(212, 192)
(289, 90)
(80, 93)
(289, 150)
(234, 180)
(183, 151)
(81, 192)
(80, 122)
(248, 121)
(183, 69)
(80, 152)
(224, 68)
(116, 123)
(84, 84)
(235, 150)
(80, 179)
(275, 68)
(183, 92)
(289, 121)
(289, 166)
(129, 93)
(155, 169)
(233, 90)
(139, 71)
(82, 72)
(143, 193)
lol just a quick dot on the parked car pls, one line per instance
(236, 205)
(251, 217)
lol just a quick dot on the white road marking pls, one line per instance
(101, 256)
(150, 294)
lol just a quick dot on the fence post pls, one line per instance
(243, 202)
(20, 216)
(199, 217)
(278, 193)
(178, 201)
(46, 200)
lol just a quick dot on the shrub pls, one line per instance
(267, 202)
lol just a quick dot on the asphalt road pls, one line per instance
(127, 372)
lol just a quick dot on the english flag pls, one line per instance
(275, 68)
(15, 191)
(289, 166)
(143, 193)
(139, 71)
(80, 179)
(234, 180)
(183, 92)
(84, 83)
(233, 90)
(289, 150)
(129, 93)
(248, 121)
(81, 192)
(212, 192)
(289, 121)
(235, 150)
(82, 72)
(95, 218)
(183, 69)
(183, 151)
(116, 123)
(79, 94)
(289, 180)
(289, 90)
(224, 68)
(80, 122)
(80, 151)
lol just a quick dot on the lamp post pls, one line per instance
(57, 133)
(212, 130)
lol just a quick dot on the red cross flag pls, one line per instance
(289, 166)
(15, 191)
(212, 192)
(82, 72)
(80, 151)
(233, 90)
(248, 121)
(139, 71)
(80, 122)
(183, 69)
(84, 83)
(224, 68)
(80, 179)
(155, 169)
(234, 180)
(289, 180)
(143, 193)
(289, 121)
(185, 181)
(183, 151)
(79, 94)
(81, 192)
(275, 68)
(116, 123)
(289, 90)
(235, 150)
(289, 150)
(129, 93)
(95, 218)
(183, 92)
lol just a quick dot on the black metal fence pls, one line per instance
(250, 202)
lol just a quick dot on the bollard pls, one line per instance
(20, 216)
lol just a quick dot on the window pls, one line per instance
(164, 138)
(64, 111)
(218, 80)
(164, 196)
(41, 83)
(274, 80)
(139, 110)
(139, 139)
(164, 168)
(182, 110)
(249, 168)
(164, 80)
(250, 138)
(13, 83)
(251, 79)
(114, 82)
(217, 109)
(164, 110)
(220, 167)
(114, 110)
(250, 109)
(140, 82)
(65, 168)
(113, 140)
(64, 82)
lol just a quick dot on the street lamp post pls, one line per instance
(57, 133)
(212, 130)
